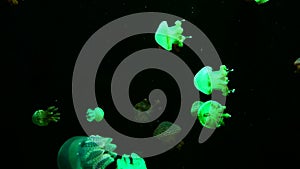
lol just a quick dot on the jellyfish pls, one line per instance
(82, 152)
(13, 2)
(195, 107)
(44, 117)
(137, 162)
(210, 114)
(143, 110)
(297, 64)
(166, 132)
(207, 80)
(166, 36)
(261, 1)
(97, 114)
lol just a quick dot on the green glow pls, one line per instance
(210, 114)
(166, 131)
(97, 114)
(207, 80)
(195, 107)
(44, 117)
(81, 152)
(166, 36)
(297, 64)
(261, 1)
(137, 162)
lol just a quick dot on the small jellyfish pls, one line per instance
(261, 1)
(44, 117)
(81, 152)
(297, 64)
(166, 36)
(195, 107)
(137, 162)
(143, 110)
(97, 114)
(166, 132)
(210, 114)
(207, 80)
(13, 2)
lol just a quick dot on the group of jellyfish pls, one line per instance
(210, 113)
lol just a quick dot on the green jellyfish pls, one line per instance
(166, 132)
(261, 1)
(297, 64)
(97, 114)
(137, 162)
(44, 117)
(195, 107)
(207, 80)
(166, 36)
(210, 114)
(82, 152)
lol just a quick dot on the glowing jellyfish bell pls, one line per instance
(125, 162)
(44, 117)
(82, 152)
(207, 80)
(261, 1)
(195, 107)
(166, 36)
(97, 114)
(297, 64)
(210, 114)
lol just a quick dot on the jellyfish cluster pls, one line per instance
(95, 115)
(167, 36)
(44, 117)
(210, 113)
(136, 162)
(82, 152)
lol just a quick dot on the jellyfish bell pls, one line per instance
(166, 132)
(166, 36)
(82, 152)
(97, 114)
(207, 80)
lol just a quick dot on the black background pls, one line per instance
(260, 42)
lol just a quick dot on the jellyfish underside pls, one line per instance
(210, 114)
(81, 152)
(166, 36)
(207, 80)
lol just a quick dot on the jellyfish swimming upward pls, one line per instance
(207, 80)
(44, 117)
(82, 152)
(210, 114)
(166, 36)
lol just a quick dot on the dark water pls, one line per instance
(260, 42)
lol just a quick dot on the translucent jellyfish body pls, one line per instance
(44, 117)
(166, 132)
(81, 152)
(144, 109)
(97, 114)
(261, 1)
(166, 36)
(297, 64)
(210, 114)
(195, 107)
(125, 162)
(207, 80)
